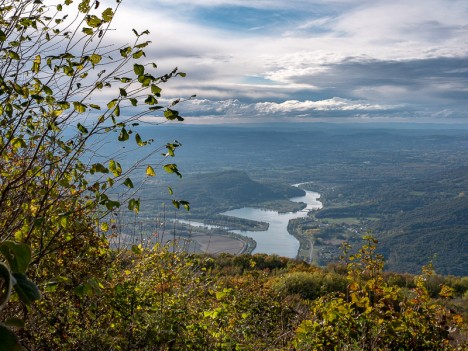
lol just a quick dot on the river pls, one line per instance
(276, 240)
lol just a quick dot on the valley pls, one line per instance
(404, 184)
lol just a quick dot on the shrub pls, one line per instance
(372, 315)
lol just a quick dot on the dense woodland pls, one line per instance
(64, 287)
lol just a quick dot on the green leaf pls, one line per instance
(38, 98)
(150, 171)
(3, 36)
(18, 255)
(138, 54)
(115, 168)
(18, 88)
(134, 205)
(136, 249)
(56, 113)
(26, 289)
(123, 79)
(186, 204)
(79, 107)
(128, 183)
(14, 322)
(151, 100)
(107, 15)
(123, 136)
(67, 55)
(95, 59)
(84, 6)
(104, 226)
(171, 192)
(142, 45)
(13, 55)
(139, 141)
(98, 168)
(9, 340)
(6, 286)
(112, 103)
(133, 101)
(123, 92)
(96, 107)
(93, 21)
(47, 90)
(90, 288)
(64, 221)
(172, 115)
(17, 143)
(50, 100)
(82, 128)
(145, 80)
(138, 69)
(68, 70)
(172, 168)
(83, 290)
(155, 89)
(63, 104)
(125, 51)
(111, 205)
(36, 64)
(87, 31)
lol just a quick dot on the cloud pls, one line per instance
(309, 57)
(286, 109)
(333, 104)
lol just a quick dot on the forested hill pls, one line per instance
(219, 191)
(437, 231)
(419, 220)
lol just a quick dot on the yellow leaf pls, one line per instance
(150, 171)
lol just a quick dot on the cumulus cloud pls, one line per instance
(285, 109)
(334, 104)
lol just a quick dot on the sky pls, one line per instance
(309, 60)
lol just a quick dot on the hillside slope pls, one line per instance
(419, 220)
(213, 193)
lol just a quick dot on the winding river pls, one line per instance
(276, 240)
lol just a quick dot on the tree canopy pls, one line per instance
(63, 85)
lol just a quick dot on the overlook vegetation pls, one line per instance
(62, 287)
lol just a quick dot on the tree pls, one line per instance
(374, 315)
(56, 69)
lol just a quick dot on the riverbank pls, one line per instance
(278, 239)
